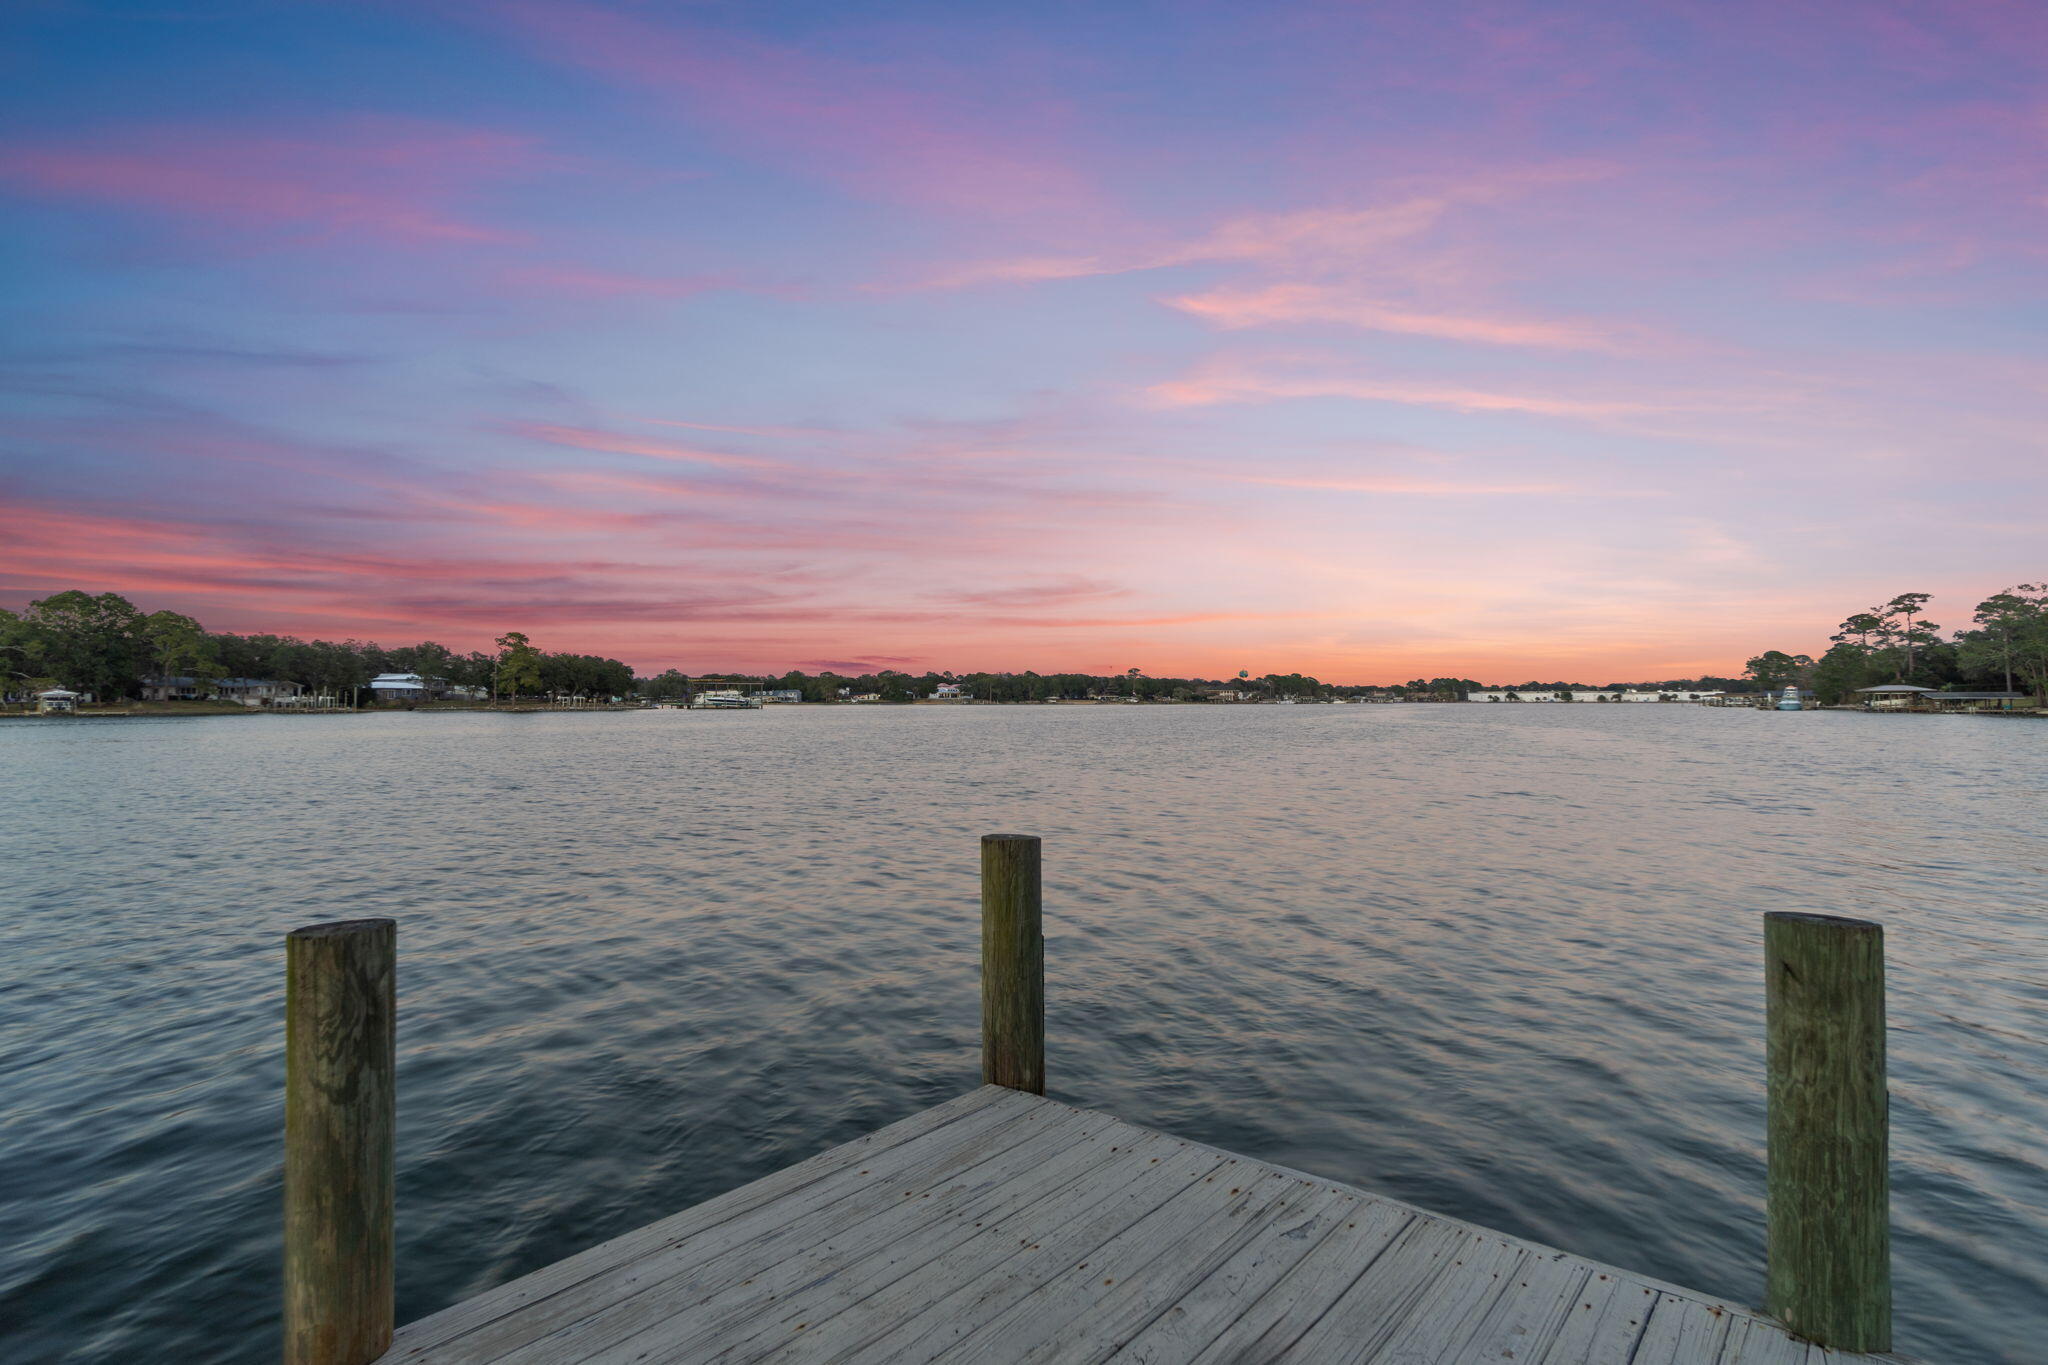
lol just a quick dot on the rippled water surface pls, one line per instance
(1500, 961)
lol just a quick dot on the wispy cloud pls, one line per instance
(1315, 240)
(390, 179)
(1228, 381)
(578, 282)
(1385, 267)
(619, 443)
(1321, 236)
(1424, 488)
(1279, 304)
(782, 432)
(1043, 594)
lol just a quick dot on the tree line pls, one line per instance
(2004, 649)
(105, 645)
(892, 685)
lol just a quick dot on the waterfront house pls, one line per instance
(57, 701)
(247, 691)
(399, 687)
(951, 692)
(172, 689)
(783, 696)
(257, 691)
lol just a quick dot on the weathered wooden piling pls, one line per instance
(1828, 1218)
(1012, 964)
(339, 1119)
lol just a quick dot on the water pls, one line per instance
(1499, 961)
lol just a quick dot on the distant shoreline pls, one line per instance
(199, 711)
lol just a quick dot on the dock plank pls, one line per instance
(1451, 1310)
(1603, 1327)
(1203, 1313)
(801, 1288)
(1682, 1329)
(418, 1337)
(1270, 1326)
(1751, 1342)
(914, 1319)
(594, 1321)
(1531, 1314)
(1376, 1303)
(1002, 1227)
(1136, 1275)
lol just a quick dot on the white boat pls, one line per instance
(1790, 700)
(725, 701)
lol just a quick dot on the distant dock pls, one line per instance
(1005, 1226)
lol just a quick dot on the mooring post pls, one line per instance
(1829, 1190)
(339, 1119)
(1012, 964)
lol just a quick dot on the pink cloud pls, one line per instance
(1405, 487)
(1226, 381)
(783, 432)
(856, 667)
(1030, 270)
(1293, 303)
(615, 443)
(1318, 240)
(1388, 267)
(377, 178)
(598, 481)
(576, 282)
(1043, 595)
(1318, 236)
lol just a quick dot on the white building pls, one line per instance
(399, 687)
(951, 692)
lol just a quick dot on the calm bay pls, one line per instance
(1498, 960)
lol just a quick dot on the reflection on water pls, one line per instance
(1499, 961)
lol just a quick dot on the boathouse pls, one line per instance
(1891, 696)
(56, 701)
(1975, 701)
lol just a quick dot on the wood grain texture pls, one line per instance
(927, 1127)
(1012, 964)
(1023, 1229)
(339, 1126)
(1828, 1232)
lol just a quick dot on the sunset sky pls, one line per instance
(1591, 341)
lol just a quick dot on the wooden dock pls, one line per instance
(1003, 1226)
